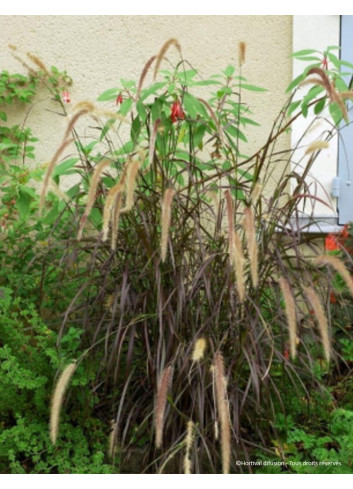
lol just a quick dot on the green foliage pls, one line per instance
(327, 450)
(18, 172)
(328, 74)
(29, 360)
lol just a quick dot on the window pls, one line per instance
(332, 172)
(344, 183)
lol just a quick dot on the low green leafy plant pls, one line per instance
(328, 449)
(29, 360)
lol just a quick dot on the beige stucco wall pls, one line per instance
(99, 50)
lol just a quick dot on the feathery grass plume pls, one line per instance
(143, 76)
(109, 204)
(162, 52)
(74, 118)
(112, 436)
(256, 192)
(339, 266)
(163, 386)
(23, 63)
(321, 319)
(199, 349)
(346, 95)
(188, 444)
(187, 465)
(325, 81)
(241, 52)
(130, 181)
(116, 211)
(330, 89)
(230, 218)
(313, 81)
(58, 398)
(83, 105)
(316, 145)
(166, 219)
(340, 102)
(289, 304)
(92, 193)
(239, 262)
(153, 140)
(89, 108)
(250, 235)
(223, 410)
(38, 62)
(66, 142)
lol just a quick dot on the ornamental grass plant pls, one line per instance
(199, 308)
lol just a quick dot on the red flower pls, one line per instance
(324, 63)
(66, 97)
(119, 99)
(331, 243)
(177, 112)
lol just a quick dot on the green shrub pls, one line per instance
(29, 360)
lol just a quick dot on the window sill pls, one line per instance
(316, 224)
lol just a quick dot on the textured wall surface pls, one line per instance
(99, 50)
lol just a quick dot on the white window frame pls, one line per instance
(316, 32)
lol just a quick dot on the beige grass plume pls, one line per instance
(256, 193)
(116, 211)
(161, 400)
(88, 107)
(235, 249)
(289, 304)
(130, 182)
(47, 178)
(223, 410)
(166, 217)
(65, 142)
(189, 439)
(143, 76)
(333, 95)
(316, 146)
(162, 52)
(339, 266)
(112, 437)
(324, 81)
(74, 117)
(58, 398)
(91, 197)
(110, 202)
(321, 319)
(230, 218)
(153, 140)
(38, 62)
(250, 237)
(241, 52)
(239, 266)
(199, 349)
